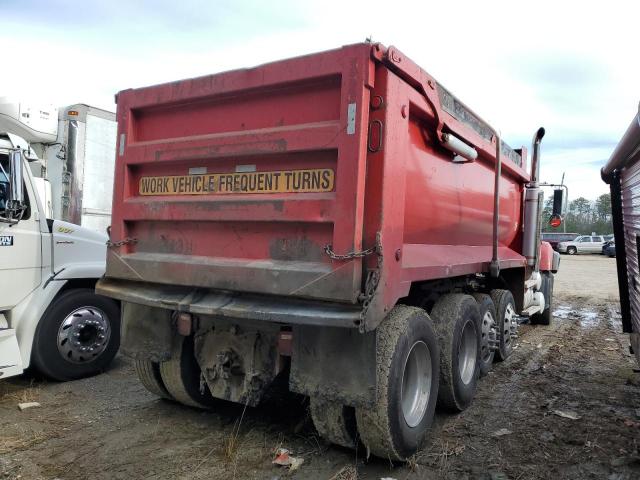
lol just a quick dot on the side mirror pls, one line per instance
(558, 208)
(558, 202)
(15, 205)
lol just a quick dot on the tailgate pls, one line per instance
(238, 181)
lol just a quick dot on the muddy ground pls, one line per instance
(517, 428)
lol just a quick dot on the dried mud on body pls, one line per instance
(566, 404)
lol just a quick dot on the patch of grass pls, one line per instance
(230, 446)
(12, 442)
(348, 472)
(440, 456)
(19, 393)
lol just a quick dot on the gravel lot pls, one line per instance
(110, 427)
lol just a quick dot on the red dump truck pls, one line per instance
(340, 219)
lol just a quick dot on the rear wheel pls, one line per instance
(572, 250)
(181, 375)
(457, 322)
(506, 319)
(149, 375)
(488, 337)
(334, 422)
(407, 362)
(78, 335)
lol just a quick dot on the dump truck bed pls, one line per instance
(318, 177)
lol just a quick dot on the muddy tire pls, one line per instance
(407, 364)
(78, 335)
(334, 422)
(456, 319)
(149, 375)
(505, 316)
(545, 317)
(487, 331)
(181, 375)
(572, 250)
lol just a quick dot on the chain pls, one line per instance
(348, 256)
(119, 243)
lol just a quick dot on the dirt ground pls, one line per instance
(565, 405)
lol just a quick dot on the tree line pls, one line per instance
(583, 216)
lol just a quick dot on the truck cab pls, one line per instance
(50, 316)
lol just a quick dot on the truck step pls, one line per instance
(533, 309)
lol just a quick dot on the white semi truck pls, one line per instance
(56, 179)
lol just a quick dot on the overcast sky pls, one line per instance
(572, 67)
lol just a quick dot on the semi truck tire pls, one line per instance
(457, 322)
(407, 364)
(149, 375)
(334, 422)
(78, 335)
(505, 318)
(181, 375)
(487, 331)
(545, 317)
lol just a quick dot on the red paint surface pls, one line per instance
(546, 256)
(293, 115)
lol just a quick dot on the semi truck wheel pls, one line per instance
(457, 322)
(334, 422)
(181, 375)
(408, 365)
(544, 318)
(78, 335)
(487, 330)
(149, 375)
(506, 320)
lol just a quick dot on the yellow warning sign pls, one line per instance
(286, 181)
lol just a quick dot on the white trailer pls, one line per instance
(77, 160)
(55, 166)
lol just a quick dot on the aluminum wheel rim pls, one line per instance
(416, 383)
(467, 352)
(84, 335)
(487, 325)
(509, 319)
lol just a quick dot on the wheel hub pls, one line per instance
(83, 335)
(416, 383)
(467, 353)
(510, 325)
(489, 336)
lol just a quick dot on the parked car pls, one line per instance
(582, 244)
(554, 238)
(609, 248)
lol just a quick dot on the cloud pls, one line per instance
(519, 65)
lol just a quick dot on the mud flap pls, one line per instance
(146, 332)
(334, 365)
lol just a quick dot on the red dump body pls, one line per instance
(243, 181)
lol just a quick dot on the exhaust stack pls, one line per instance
(533, 206)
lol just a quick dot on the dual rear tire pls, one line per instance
(408, 365)
(178, 378)
(422, 360)
(457, 323)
